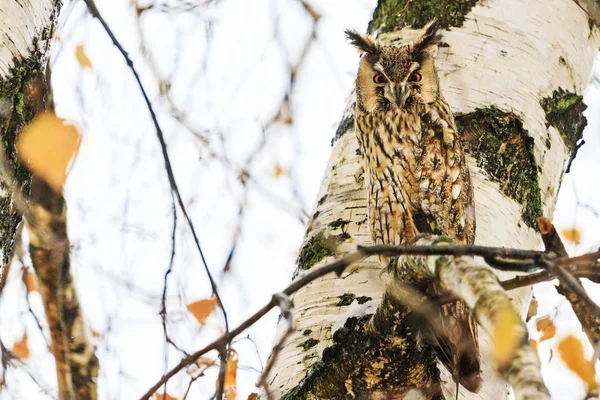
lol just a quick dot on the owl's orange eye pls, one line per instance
(379, 79)
(416, 77)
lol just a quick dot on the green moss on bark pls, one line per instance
(391, 15)
(313, 251)
(22, 94)
(564, 110)
(505, 151)
(373, 363)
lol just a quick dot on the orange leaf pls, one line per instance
(253, 396)
(230, 377)
(278, 171)
(159, 396)
(504, 336)
(572, 235)
(82, 59)
(20, 348)
(29, 281)
(202, 309)
(47, 146)
(571, 351)
(547, 327)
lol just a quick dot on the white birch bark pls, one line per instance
(506, 54)
(20, 22)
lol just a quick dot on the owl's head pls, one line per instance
(391, 76)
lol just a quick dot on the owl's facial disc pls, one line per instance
(398, 92)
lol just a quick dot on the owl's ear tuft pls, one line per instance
(363, 43)
(428, 38)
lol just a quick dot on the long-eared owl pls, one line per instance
(416, 172)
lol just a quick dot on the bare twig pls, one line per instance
(530, 260)
(159, 133)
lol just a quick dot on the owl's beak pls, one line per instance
(397, 95)
(401, 95)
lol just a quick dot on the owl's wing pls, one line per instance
(456, 342)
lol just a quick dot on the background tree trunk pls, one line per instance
(25, 34)
(513, 73)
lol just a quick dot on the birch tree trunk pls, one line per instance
(513, 72)
(26, 33)
(26, 28)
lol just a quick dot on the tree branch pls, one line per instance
(459, 279)
(76, 362)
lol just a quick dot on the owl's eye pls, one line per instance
(379, 79)
(416, 77)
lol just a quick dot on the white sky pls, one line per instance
(120, 213)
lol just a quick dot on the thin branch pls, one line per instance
(530, 260)
(159, 133)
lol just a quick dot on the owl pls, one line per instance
(416, 173)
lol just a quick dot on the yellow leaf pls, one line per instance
(278, 171)
(81, 57)
(572, 235)
(47, 146)
(230, 377)
(505, 335)
(29, 281)
(20, 348)
(571, 351)
(202, 309)
(547, 327)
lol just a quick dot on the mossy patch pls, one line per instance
(313, 251)
(22, 96)
(308, 344)
(505, 151)
(390, 15)
(372, 362)
(346, 299)
(306, 332)
(564, 110)
(363, 299)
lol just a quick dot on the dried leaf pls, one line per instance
(572, 235)
(205, 361)
(47, 146)
(253, 396)
(571, 351)
(160, 396)
(547, 327)
(202, 309)
(29, 280)
(533, 309)
(81, 57)
(505, 337)
(544, 225)
(230, 377)
(20, 348)
(278, 171)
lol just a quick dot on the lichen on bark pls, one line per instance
(360, 362)
(564, 110)
(504, 149)
(22, 95)
(391, 15)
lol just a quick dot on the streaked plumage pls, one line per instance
(416, 173)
